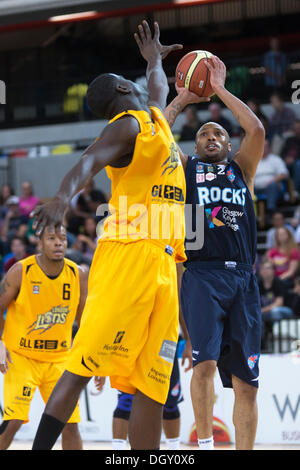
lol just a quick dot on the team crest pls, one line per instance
(36, 289)
(172, 161)
(252, 360)
(230, 175)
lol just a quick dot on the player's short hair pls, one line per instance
(101, 92)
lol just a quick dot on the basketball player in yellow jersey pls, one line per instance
(129, 329)
(43, 295)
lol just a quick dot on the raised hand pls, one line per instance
(188, 97)
(49, 214)
(151, 47)
(217, 72)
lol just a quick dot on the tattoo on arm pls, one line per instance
(173, 113)
(3, 286)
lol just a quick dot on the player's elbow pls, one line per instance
(258, 130)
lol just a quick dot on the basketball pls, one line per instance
(192, 73)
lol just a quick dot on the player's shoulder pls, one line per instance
(69, 264)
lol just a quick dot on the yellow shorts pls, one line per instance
(129, 326)
(20, 382)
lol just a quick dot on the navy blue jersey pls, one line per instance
(229, 217)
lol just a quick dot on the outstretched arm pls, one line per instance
(183, 98)
(252, 146)
(154, 52)
(106, 150)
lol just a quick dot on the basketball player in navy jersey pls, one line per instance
(219, 293)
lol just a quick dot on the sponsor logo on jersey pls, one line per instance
(199, 168)
(167, 192)
(119, 337)
(211, 217)
(56, 316)
(200, 177)
(252, 360)
(210, 176)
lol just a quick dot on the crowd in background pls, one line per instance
(277, 183)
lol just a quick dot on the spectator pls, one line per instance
(216, 116)
(18, 252)
(285, 256)
(83, 248)
(293, 298)
(283, 118)
(272, 295)
(88, 240)
(276, 64)
(6, 192)
(278, 220)
(255, 107)
(83, 205)
(192, 124)
(12, 221)
(270, 174)
(27, 201)
(291, 154)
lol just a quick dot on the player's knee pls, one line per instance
(121, 414)
(70, 430)
(205, 370)
(12, 426)
(243, 390)
(170, 413)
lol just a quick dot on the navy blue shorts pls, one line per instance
(221, 308)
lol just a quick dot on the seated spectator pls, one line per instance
(270, 174)
(6, 192)
(83, 205)
(283, 118)
(28, 200)
(12, 221)
(85, 243)
(192, 124)
(18, 252)
(255, 108)
(278, 220)
(216, 116)
(276, 63)
(272, 296)
(291, 154)
(285, 256)
(293, 298)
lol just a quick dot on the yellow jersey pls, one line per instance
(39, 322)
(148, 195)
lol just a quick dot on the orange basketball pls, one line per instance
(192, 73)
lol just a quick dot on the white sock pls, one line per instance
(206, 444)
(119, 444)
(173, 443)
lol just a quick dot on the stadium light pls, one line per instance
(73, 16)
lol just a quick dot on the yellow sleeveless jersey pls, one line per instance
(148, 195)
(39, 322)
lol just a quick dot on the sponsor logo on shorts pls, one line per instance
(252, 360)
(26, 391)
(119, 337)
(158, 376)
(167, 350)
